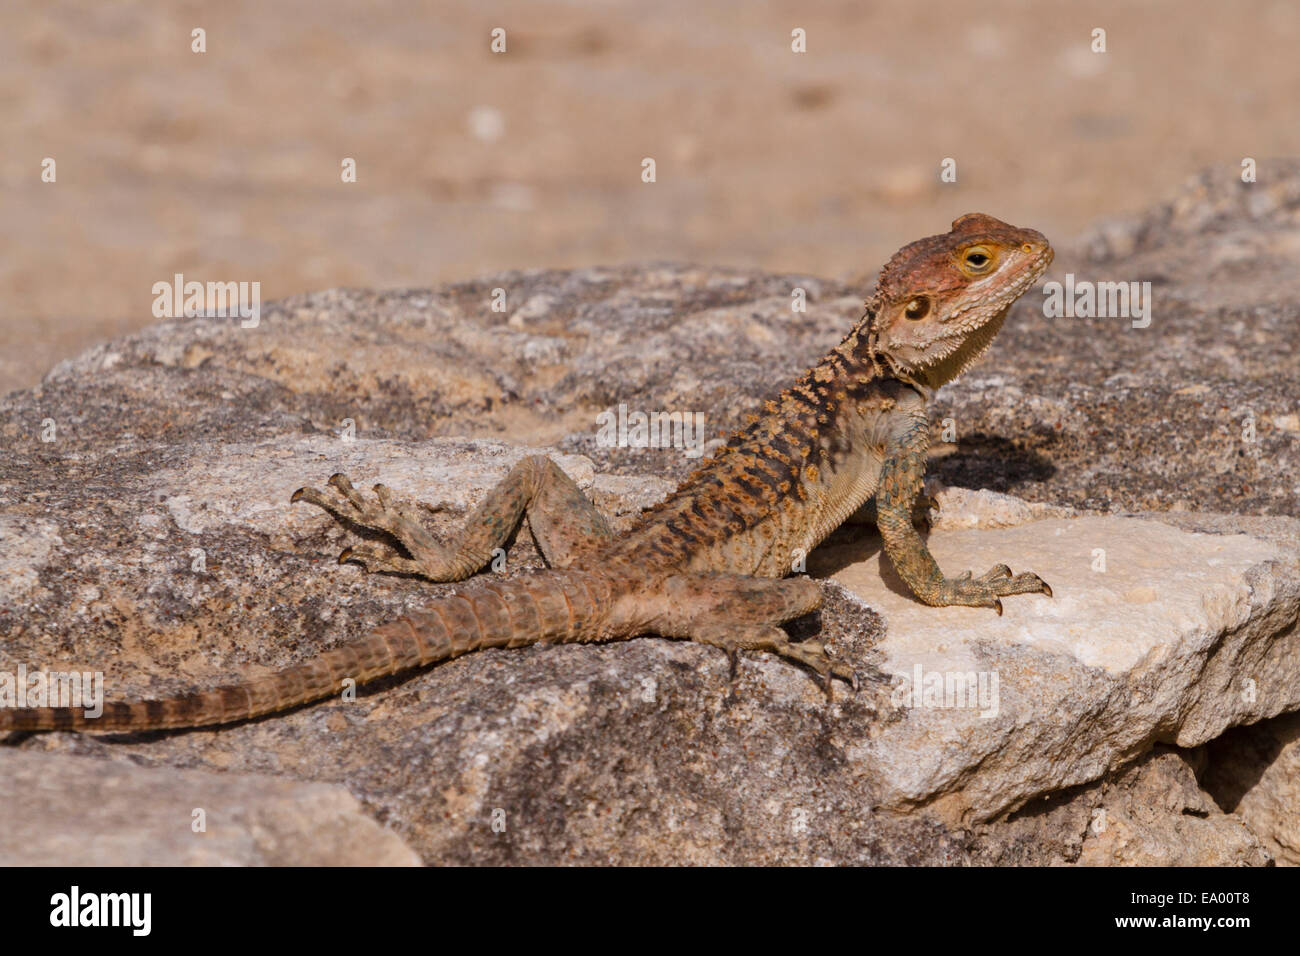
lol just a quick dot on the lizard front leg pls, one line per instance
(563, 521)
(900, 484)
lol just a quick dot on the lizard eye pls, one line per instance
(917, 308)
(978, 259)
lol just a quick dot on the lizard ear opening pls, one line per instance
(917, 308)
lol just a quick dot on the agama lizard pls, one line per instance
(711, 562)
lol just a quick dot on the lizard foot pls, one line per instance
(988, 589)
(382, 513)
(768, 637)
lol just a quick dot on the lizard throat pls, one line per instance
(953, 364)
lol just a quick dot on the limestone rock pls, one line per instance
(1254, 772)
(1153, 634)
(1155, 814)
(71, 811)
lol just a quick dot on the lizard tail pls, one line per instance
(548, 607)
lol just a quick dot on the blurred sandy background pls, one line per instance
(225, 165)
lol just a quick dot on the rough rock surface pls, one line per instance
(1254, 772)
(71, 811)
(1152, 634)
(1154, 813)
(145, 532)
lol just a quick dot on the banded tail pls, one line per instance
(551, 607)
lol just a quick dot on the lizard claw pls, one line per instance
(844, 673)
(989, 588)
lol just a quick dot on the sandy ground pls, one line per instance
(226, 165)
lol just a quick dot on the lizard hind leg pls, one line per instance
(563, 522)
(739, 613)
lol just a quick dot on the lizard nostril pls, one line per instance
(1028, 247)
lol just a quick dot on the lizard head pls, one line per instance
(940, 300)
